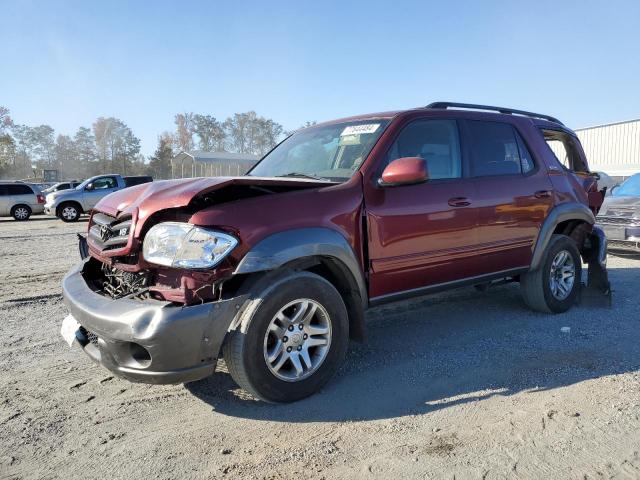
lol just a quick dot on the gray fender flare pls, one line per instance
(282, 248)
(560, 213)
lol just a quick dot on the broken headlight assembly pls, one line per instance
(183, 245)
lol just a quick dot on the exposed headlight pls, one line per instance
(186, 246)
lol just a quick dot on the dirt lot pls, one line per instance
(463, 384)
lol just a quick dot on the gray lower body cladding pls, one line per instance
(148, 340)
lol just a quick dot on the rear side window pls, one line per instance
(19, 189)
(434, 140)
(566, 150)
(132, 181)
(497, 149)
(3, 191)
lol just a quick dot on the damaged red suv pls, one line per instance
(275, 269)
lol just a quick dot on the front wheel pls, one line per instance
(69, 212)
(292, 341)
(554, 286)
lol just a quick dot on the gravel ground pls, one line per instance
(459, 385)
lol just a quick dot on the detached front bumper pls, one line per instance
(148, 340)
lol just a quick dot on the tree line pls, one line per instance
(110, 146)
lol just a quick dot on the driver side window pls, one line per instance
(104, 183)
(436, 141)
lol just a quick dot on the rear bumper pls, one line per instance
(147, 340)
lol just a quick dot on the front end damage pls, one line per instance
(147, 340)
(146, 322)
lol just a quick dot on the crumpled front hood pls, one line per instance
(144, 200)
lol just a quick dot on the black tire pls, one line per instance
(69, 212)
(21, 213)
(535, 285)
(244, 350)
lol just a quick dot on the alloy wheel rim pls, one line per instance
(562, 275)
(69, 213)
(21, 213)
(297, 340)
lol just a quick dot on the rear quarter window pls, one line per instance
(19, 190)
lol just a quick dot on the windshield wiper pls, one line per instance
(304, 175)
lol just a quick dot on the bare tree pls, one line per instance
(184, 131)
(210, 133)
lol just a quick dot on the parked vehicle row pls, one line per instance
(66, 200)
(387, 206)
(69, 204)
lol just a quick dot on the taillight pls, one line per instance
(40, 198)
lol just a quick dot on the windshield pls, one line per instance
(332, 152)
(630, 187)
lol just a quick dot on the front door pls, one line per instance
(100, 188)
(423, 235)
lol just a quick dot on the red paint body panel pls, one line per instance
(418, 235)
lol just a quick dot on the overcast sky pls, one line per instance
(67, 63)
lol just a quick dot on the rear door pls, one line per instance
(423, 235)
(514, 195)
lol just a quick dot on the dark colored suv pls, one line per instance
(276, 268)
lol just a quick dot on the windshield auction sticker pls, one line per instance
(359, 129)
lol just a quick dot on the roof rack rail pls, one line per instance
(509, 111)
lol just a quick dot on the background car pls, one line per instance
(20, 200)
(619, 216)
(61, 186)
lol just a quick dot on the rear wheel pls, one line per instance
(21, 212)
(69, 212)
(292, 341)
(554, 286)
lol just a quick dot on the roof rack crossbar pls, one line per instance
(509, 111)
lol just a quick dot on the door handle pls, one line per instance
(542, 194)
(459, 202)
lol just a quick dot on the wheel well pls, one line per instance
(20, 205)
(72, 202)
(576, 230)
(336, 273)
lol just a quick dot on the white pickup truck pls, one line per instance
(68, 205)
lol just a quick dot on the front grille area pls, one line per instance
(118, 283)
(109, 233)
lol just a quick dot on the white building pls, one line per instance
(613, 148)
(211, 164)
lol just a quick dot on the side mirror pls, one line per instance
(89, 186)
(614, 188)
(404, 171)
